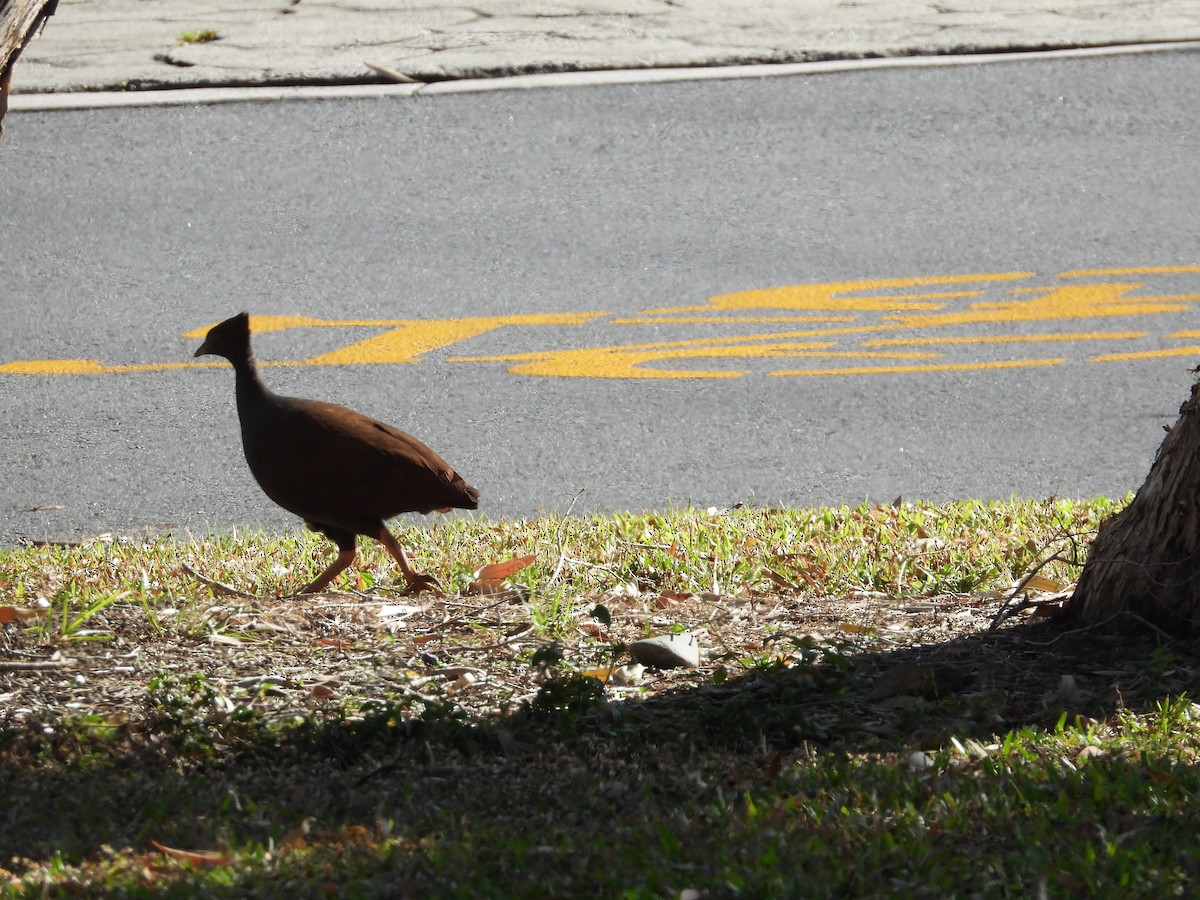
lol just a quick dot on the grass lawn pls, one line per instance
(864, 720)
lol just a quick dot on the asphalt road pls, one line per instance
(433, 237)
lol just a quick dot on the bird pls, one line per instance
(340, 471)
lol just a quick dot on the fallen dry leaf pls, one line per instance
(600, 674)
(1038, 583)
(487, 588)
(780, 581)
(197, 857)
(332, 642)
(671, 598)
(295, 839)
(21, 613)
(501, 570)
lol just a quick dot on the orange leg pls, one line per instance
(339, 565)
(416, 581)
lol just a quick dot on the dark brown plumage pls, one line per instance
(342, 472)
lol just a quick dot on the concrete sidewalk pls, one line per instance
(91, 45)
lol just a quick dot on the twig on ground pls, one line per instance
(1005, 610)
(220, 587)
(36, 665)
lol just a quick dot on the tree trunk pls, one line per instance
(1146, 559)
(19, 21)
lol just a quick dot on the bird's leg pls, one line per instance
(344, 558)
(416, 581)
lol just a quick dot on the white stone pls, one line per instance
(667, 651)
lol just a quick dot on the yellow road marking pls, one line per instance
(1137, 270)
(1077, 301)
(937, 367)
(704, 320)
(1009, 338)
(834, 310)
(95, 367)
(89, 367)
(828, 295)
(627, 362)
(1147, 354)
(267, 324)
(415, 337)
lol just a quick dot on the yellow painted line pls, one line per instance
(829, 295)
(833, 309)
(95, 367)
(791, 298)
(92, 367)
(1137, 270)
(938, 367)
(52, 367)
(407, 343)
(769, 339)
(627, 362)
(704, 320)
(265, 324)
(1077, 301)
(1147, 354)
(1009, 338)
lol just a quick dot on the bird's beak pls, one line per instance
(202, 350)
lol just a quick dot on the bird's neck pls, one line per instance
(249, 386)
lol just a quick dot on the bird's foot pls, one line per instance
(419, 583)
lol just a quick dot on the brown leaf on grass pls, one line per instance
(490, 579)
(812, 575)
(602, 674)
(671, 598)
(296, 838)
(780, 581)
(196, 857)
(1038, 583)
(22, 613)
(620, 676)
(486, 588)
(333, 642)
(594, 630)
(501, 570)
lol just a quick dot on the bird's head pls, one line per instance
(230, 339)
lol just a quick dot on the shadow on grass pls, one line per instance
(764, 782)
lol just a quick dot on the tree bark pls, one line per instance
(1146, 559)
(19, 22)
